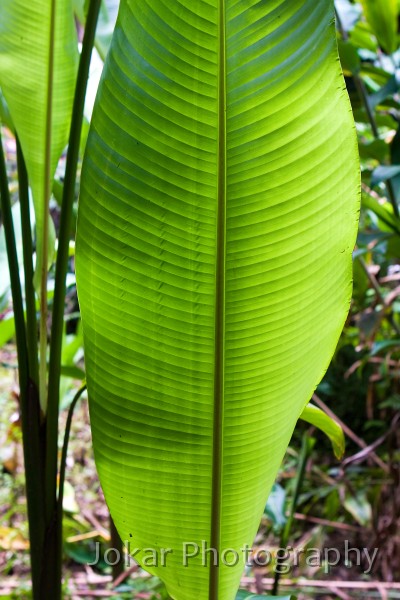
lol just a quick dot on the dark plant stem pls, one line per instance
(29, 399)
(117, 545)
(30, 298)
(63, 464)
(363, 94)
(51, 581)
(63, 250)
(306, 449)
(20, 332)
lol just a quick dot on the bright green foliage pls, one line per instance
(315, 416)
(217, 219)
(382, 17)
(243, 595)
(25, 51)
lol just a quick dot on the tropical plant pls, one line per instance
(217, 219)
(41, 90)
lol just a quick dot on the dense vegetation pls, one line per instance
(354, 503)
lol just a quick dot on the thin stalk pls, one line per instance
(62, 255)
(46, 217)
(117, 545)
(63, 462)
(19, 317)
(63, 465)
(52, 563)
(29, 401)
(30, 300)
(306, 448)
(363, 94)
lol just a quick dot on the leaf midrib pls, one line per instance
(215, 537)
(46, 200)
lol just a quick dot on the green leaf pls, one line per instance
(383, 211)
(349, 58)
(383, 345)
(376, 149)
(383, 173)
(5, 117)
(389, 89)
(216, 223)
(275, 507)
(5, 275)
(317, 417)
(361, 36)
(382, 17)
(25, 51)
(7, 328)
(244, 595)
(359, 507)
(395, 160)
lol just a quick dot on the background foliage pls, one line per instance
(357, 499)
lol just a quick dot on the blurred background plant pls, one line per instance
(355, 501)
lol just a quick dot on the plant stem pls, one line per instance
(19, 318)
(29, 401)
(63, 464)
(30, 300)
(54, 527)
(306, 448)
(63, 250)
(116, 544)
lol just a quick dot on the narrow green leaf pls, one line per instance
(383, 173)
(383, 211)
(382, 17)
(359, 507)
(395, 160)
(5, 116)
(243, 595)
(25, 52)
(391, 87)
(362, 37)
(217, 219)
(349, 58)
(5, 275)
(7, 328)
(383, 345)
(377, 149)
(275, 507)
(315, 416)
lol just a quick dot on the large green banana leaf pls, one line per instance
(26, 52)
(217, 219)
